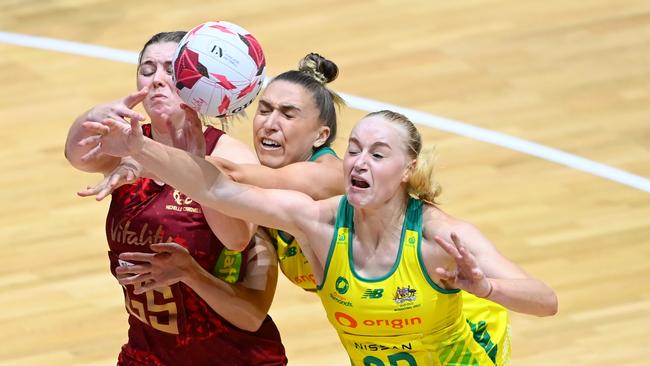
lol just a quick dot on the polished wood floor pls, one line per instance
(569, 75)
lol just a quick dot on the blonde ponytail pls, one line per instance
(422, 183)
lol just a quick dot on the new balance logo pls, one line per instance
(373, 293)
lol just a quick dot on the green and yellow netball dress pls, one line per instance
(490, 324)
(293, 263)
(402, 318)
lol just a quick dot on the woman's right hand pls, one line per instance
(115, 138)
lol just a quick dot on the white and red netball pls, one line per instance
(219, 68)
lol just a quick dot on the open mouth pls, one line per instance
(359, 183)
(270, 144)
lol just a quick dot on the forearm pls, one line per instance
(239, 305)
(318, 181)
(190, 174)
(205, 184)
(528, 296)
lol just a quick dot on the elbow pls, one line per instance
(550, 306)
(238, 239)
(553, 306)
(236, 244)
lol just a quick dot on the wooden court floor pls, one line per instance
(573, 76)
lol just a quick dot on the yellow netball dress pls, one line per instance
(293, 263)
(490, 324)
(402, 318)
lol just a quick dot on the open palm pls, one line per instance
(467, 275)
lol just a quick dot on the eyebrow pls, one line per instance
(152, 62)
(283, 107)
(374, 144)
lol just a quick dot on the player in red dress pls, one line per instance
(218, 315)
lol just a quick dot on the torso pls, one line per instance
(173, 325)
(403, 316)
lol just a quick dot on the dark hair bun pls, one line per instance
(319, 67)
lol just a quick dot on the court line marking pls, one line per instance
(365, 104)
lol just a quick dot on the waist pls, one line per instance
(417, 348)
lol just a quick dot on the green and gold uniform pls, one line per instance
(402, 318)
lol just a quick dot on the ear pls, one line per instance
(409, 170)
(323, 134)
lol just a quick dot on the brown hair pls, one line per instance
(421, 183)
(314, 73)
(176, 37)
(162, 37)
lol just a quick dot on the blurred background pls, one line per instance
(574, 210)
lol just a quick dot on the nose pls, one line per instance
(271, 121)
(160, 78)
(361, 162)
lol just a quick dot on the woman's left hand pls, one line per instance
(467, 275)
(125, 173)
(169, 264)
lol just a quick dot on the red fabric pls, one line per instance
(175, 326)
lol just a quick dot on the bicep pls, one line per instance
(319, 180)
(234, 150)
(286, 210)
(234, 233)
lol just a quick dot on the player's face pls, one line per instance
(375, 162)
(155, 71)
(286, 124)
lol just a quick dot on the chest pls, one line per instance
(374, 262)
(146, 213)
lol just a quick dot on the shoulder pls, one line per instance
(328, 159)
(436, 222)
(319, 213)
(234, 150)
(323, 151)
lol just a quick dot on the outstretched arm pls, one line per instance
(286, 210)
(319, 179)
(483, 271)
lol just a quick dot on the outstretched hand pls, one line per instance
(119, 110)
(115, 138)
(467, 275)
(189, 136)
(169, 264)
(125, 173)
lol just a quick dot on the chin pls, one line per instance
(271, 161)
(358, 199)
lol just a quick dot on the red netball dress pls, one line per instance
(173, 325)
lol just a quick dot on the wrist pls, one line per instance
(189, 276)
(489, 292)
(139, 149)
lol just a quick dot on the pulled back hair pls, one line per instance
(421, 183)
(176, 37)
(162, 37)
(314, 73)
